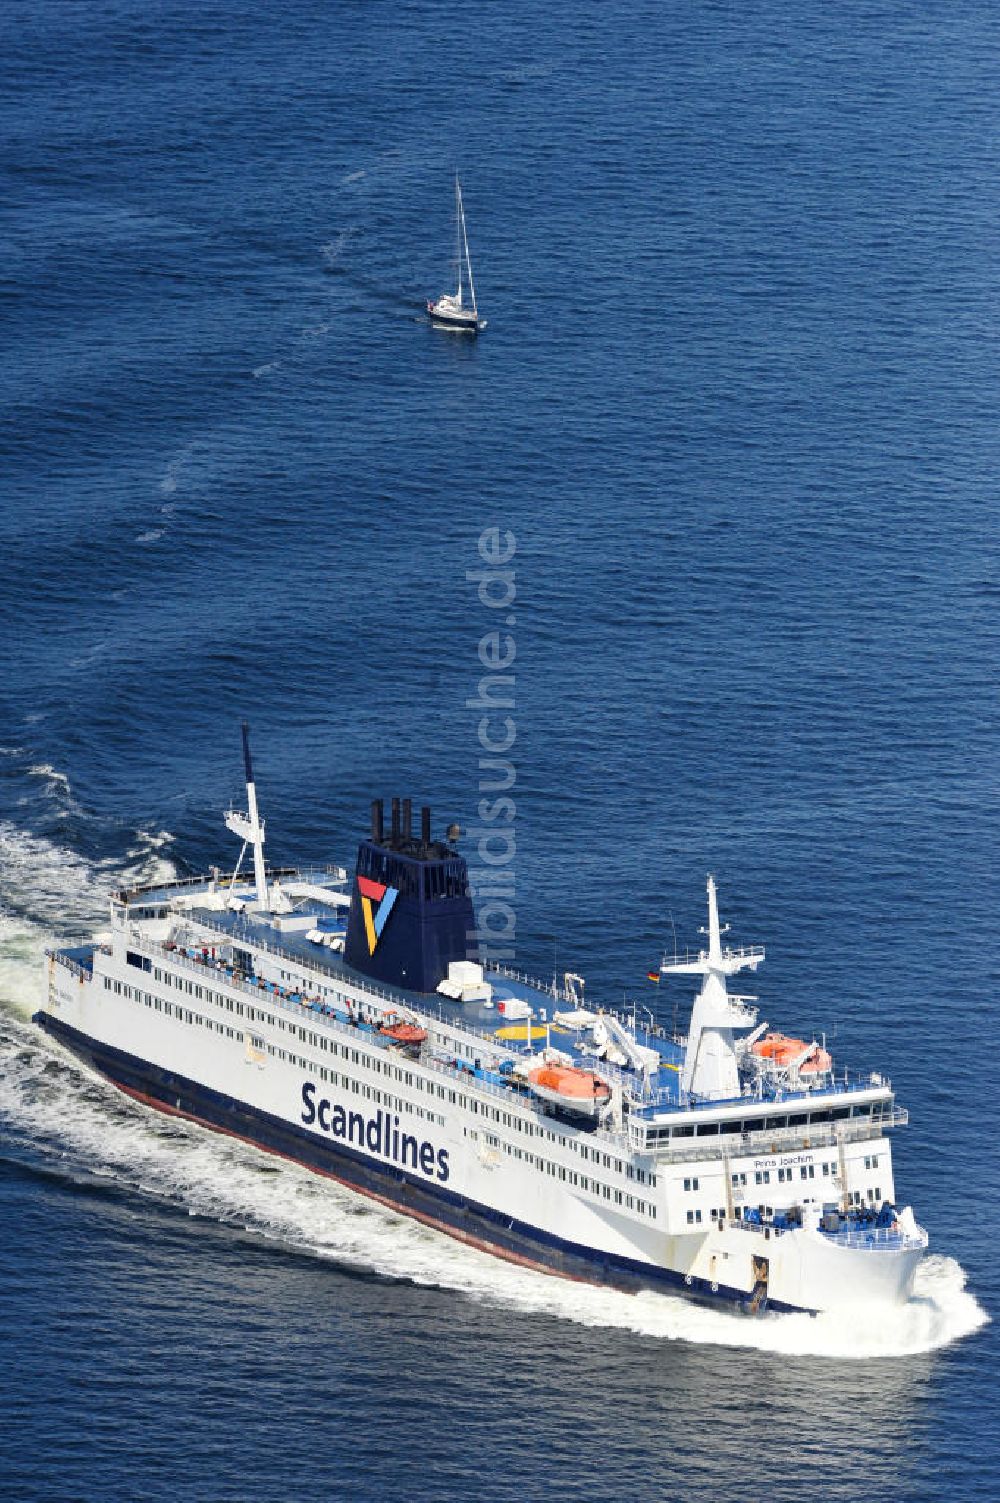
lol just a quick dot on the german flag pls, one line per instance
(653, 975)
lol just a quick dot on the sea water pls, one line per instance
(735, 409)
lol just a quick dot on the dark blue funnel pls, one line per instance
(411, 909)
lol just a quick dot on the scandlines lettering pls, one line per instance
(379, 1134)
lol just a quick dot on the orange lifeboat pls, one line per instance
(783, 1051)
(404, 1033)
(574, 1090)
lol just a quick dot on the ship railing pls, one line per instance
(740, 952)
(871, 1237)
(454, 1071)
(866, 1237)
(631, 1084)
(556, 993)
(426, 1010)
(738, 1223)
(215, 971)
(847, 1080)
(699, 957)
(662, 1096)
(770, 1141)
(563, 994)
(221, 880)
(83, 972)
(250, 936)
(787, 1100)
(546, 988)
(511, 1099)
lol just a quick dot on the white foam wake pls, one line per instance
(50, 895)
(91, 1130)
(61, 1112)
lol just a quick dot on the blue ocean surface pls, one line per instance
(736, 407)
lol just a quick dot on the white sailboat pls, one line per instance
(451, 311)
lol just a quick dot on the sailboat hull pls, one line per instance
(467, 322)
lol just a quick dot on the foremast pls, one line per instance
(250, 827)
(710, 1071)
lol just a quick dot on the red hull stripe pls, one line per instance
(479, 1243)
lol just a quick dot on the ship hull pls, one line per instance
(479, 1226)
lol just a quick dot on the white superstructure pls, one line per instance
(733, 1164)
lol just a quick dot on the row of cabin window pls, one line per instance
(372, 1093)
(174, 1010)
(445, 1093)
(762, 1124)
(570, 1176)
(693, 1183)
(509, 1119)
(785, 1175)
(594, 1155)
(309, 985)
(332, 994)
(718, 1214)
(171, 1009)
(257, 1015)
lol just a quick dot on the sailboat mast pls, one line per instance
(465, 241)
(458, 239)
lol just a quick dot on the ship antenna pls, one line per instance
(250, 827)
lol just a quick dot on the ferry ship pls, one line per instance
(351, 1024)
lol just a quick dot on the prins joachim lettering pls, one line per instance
(379, 1134)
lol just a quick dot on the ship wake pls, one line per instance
(59, 1119)
(62, 1120)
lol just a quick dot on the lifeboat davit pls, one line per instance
(571, 1089)
(404, 1033)
(783, 1051)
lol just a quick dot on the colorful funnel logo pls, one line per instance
(371, 893)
